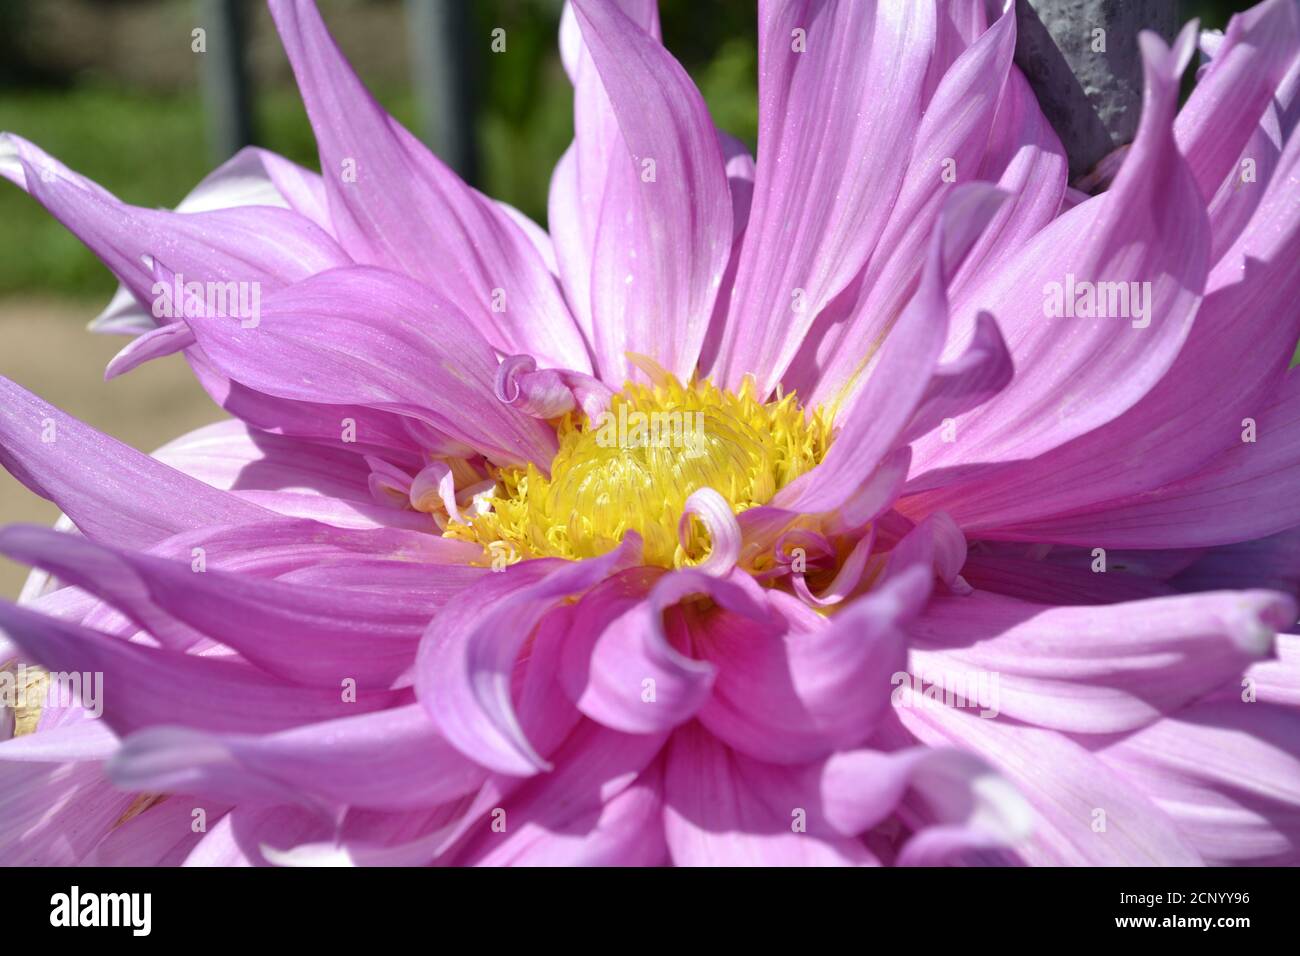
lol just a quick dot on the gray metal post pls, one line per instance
(223, 72)
(442, 58)
(1093, 98)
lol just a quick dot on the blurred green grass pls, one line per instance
(150, 148)
(147, 148)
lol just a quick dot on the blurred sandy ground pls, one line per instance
(47, 350)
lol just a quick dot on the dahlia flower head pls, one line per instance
(879, 499)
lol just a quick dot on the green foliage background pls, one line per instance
(148, 145)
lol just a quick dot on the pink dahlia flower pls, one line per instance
(878, 500)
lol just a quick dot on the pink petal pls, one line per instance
(966, 381)
(1065, 785)
(1220, 504)
(797, 693)
(601, 806)
(1025, 159)
(156, 343)
(262, 245)
(53, 814)
(1030, 578)
(368, 337)
(579, 181)
(1229, 100)
(1229, 368)
(1075, 374)
(163, 835)
(950, 142)
(833, 121)
(306, 634)
(725, 809)
(83, 740)
(147, 686)
(664, 233)
(111, 491)
(394, 204)
(462, 669)
(252, 177)
(627, 665)
(1092, 669)
(896, 383)
(1228, 774)
(233, 457)
(396, 761)
(252, 835)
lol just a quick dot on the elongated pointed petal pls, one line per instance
(1232, 95)
(146, 686)
(369, 337)
(252, 177)
(839, 102)
(664, 233)
(111, 491)
(1075, 372)
(396, 761)
(878, 412)
(949, 150)
(1230, 369)
(264, 246)
(1065, 784)
(306, 634)
(1092, 670)
(394, 204)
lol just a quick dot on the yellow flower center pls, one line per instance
(633, 468)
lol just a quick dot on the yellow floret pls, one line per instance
(634, 468)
